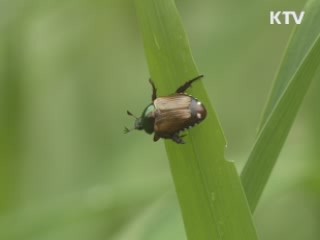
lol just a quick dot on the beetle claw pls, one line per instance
(177, 139)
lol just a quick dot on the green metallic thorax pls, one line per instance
(146, 121)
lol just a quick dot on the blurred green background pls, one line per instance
(70, 69)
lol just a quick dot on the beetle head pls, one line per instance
(137, 124)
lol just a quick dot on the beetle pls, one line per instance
(167, 117)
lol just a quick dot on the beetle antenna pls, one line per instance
(130, 114)
(126, 130)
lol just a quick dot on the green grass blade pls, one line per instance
(284, 103)
(302, 38)
(209, 190)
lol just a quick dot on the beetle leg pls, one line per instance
(156, 137)
(177, 139)
(154, 90)
(185, 86)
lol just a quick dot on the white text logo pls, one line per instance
(285, 16)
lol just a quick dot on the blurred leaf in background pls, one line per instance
(70, 69)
